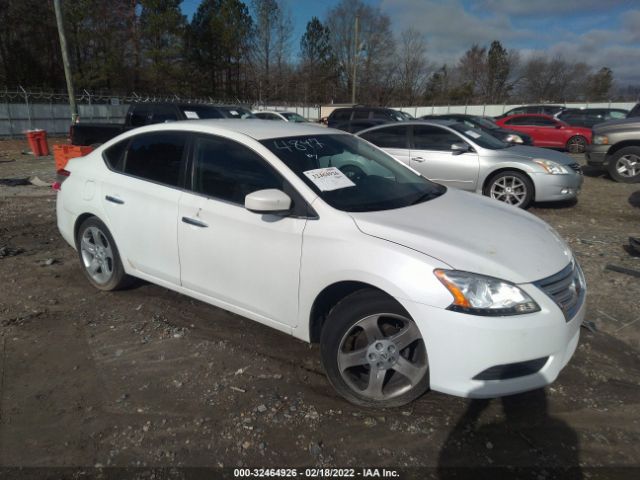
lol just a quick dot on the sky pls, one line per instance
(602, 33)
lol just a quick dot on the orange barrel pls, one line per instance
(32, 138)
(41, 138)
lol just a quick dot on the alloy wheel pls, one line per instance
(510, 190)
(382, 356)
(576, 145)
(97, 255)
(628, 165)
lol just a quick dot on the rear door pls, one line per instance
(393, 139)
(232, 255)
(432, 156)
(141, 197)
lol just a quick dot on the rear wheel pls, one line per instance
(99, 256)
(624, 165)
(577, 144)
(511, 187)
(373, 352)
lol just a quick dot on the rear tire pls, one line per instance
(373, 352)
(99, 256)
(576, 144)
(510, 187)
(624, 165)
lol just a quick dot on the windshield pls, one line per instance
(293, 117)
(479, 137)
(351, 175)
(237, 112)
(485, 123)
(193, 112)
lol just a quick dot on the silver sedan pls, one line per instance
(458, 156)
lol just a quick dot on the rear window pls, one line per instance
(114, 155)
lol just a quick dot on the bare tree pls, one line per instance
(413, 66)
(375, 50)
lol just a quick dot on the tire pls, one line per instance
(373, 352)
(624, 165)
(99, 256)
(510, 187)
(576, 144)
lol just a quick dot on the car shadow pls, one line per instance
(634, 199)
(524, 442)
(560, 204)
(594, 172)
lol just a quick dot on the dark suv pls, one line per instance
(588, 117)
(354, 119)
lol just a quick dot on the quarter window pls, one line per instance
(114, 155)
(229, 171)
(156, 157)
(426, 137)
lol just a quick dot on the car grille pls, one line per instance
(566, 288)
(576, 168)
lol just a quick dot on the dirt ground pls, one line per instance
(150, 378)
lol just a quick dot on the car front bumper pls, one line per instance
(596, 155)
(552, 188)
(461, 347)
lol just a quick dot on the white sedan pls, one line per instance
(407, 285)
(280, 116)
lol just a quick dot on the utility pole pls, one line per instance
(355, 63)
(65, 61)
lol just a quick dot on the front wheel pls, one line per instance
(624, 166)
(511, 187)
(577, 144)
(100, 257)
(373, 352)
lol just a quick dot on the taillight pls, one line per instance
(61, 176)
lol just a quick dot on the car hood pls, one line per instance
(620, 124)
(475, 234)
(531, 153)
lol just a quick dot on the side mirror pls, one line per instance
(558, 126)
(268, 201)
(459, 148)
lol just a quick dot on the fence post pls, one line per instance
(6, 102)
(26, 101)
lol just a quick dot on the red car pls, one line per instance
(548, 131)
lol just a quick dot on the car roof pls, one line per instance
(272, 111)
(254, 128)
(518, 115)
(435, 123)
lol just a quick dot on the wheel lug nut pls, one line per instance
(379, 346)
(372, 356)
(391, 349)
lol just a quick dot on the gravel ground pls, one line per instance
(150, 378)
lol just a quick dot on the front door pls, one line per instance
(393, 139)
(237, 257)
(432, 156)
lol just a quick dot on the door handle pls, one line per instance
(417, 159)
(116, 200)
(194, 222)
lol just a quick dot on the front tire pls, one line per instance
(624, 166)
(576, 144)
(511, 187)
(99, 256)
(373, 352)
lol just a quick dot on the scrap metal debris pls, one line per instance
(625, 270)
(16, 182)
(589, 325)
(7, 251)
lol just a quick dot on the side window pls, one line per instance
(114, 155)
(433, 138)
(229, 171)
(139, 115)
(360, 114)
(544, 122)
(378, 115)
(156, 157)
(390, 137)
(521, 121)
(163, 114)
(616, 114)
(341, 115)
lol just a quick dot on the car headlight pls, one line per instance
(552, 167)
(511, 138)
(600, 140)
(480, 295)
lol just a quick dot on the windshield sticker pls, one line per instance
(328, 179)
(191, 115)
(472, 134)
(307, 144)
